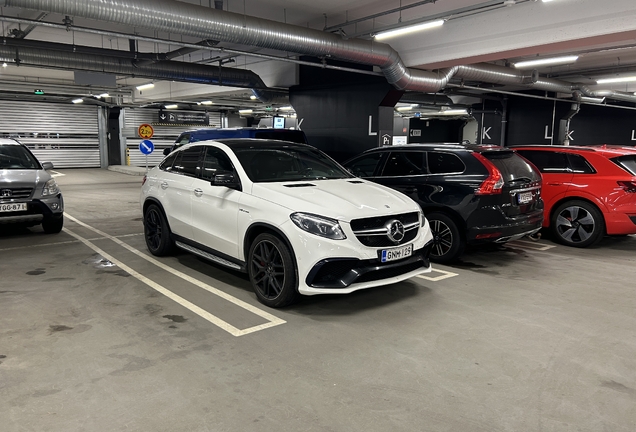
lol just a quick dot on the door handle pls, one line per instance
(164, 185)
(198, 192)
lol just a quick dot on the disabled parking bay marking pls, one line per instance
(444, 275)
(272, 320)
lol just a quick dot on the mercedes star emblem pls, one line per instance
(394, 230)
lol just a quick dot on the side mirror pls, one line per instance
(47, 165)
(227, 179)
(166, 151)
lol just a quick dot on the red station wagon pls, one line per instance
(588, 191)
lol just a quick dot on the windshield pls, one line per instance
(17, 157)
(279, 164)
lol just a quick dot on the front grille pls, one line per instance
(15, 193)
(384, 241)
(380, 221)
(342, 272)
(360, 227)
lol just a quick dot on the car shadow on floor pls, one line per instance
(327, 305)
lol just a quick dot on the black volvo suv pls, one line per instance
(470, 194)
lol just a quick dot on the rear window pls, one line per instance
(445, 163)
(511, 166)
(628, 163)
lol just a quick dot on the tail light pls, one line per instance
(494, 183)
(628, 186)
(143, 182)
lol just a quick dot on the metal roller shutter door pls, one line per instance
(163, 137)
(64, 134)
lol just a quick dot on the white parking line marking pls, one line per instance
(445, 275)
(56, 174)
(65, 242)
(524, 244)
(273, 320)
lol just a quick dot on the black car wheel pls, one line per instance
(448, 243)
(577, 223)
(272, 271)
(157, 232)
(53, 226)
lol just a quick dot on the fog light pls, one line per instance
(55, 206)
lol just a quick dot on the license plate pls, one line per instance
(397, 253)
(524, 197)
(14, 207)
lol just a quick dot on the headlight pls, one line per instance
(422, 218)
(318, 225)
(50, 188)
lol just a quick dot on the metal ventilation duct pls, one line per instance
(208, 23)
(60, 56)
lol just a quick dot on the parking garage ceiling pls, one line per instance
(502, 33)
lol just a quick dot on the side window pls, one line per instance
(444, 163)
(365, 165)
(213, 161)
(547, 161)
(405, 164)
(166, 164)
(580, 165)
(187, 161)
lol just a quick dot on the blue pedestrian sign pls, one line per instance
(146, 147)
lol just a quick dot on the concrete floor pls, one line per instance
(521, 339)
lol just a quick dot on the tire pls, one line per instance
(448, 243)
(577, 223)
(272, 271)
(157, 232)
(53, 226)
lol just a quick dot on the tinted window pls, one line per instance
(547, 161)
(628, 163)
(287, 163)
(166, 164)
(187, 161)
(365, 165)
(444, 163)
(288, 135)
(405, 164)
(183, 139)
(17, 157)
(580, 165)
(213, 161)
(511, 166)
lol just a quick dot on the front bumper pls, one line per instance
(37, 211)
(356, 266)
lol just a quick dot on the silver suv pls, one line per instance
(28, 194)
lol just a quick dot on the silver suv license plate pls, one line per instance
(396, 254)
(12, 207)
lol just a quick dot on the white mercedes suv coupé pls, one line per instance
(285, 213)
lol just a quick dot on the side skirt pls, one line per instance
(211, 255)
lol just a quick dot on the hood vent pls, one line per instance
(299, 185)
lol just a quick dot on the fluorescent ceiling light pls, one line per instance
(286, 108)
(76, 101)
(616, 80)
(4, 64)
(145, 86)
(246, 111)
(453, 112)
(253, 97)
(408, 29)
(103, 95)
(547, 61)
(171, 106)
(207, 103)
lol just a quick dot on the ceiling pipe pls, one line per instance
(193, 20)
(60, 56)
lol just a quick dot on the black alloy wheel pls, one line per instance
(272, 271)
(448, 243)
(578, 223)
(157, 232)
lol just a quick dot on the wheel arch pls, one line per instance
(459, 221)
(258, 228)
(565, 199)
